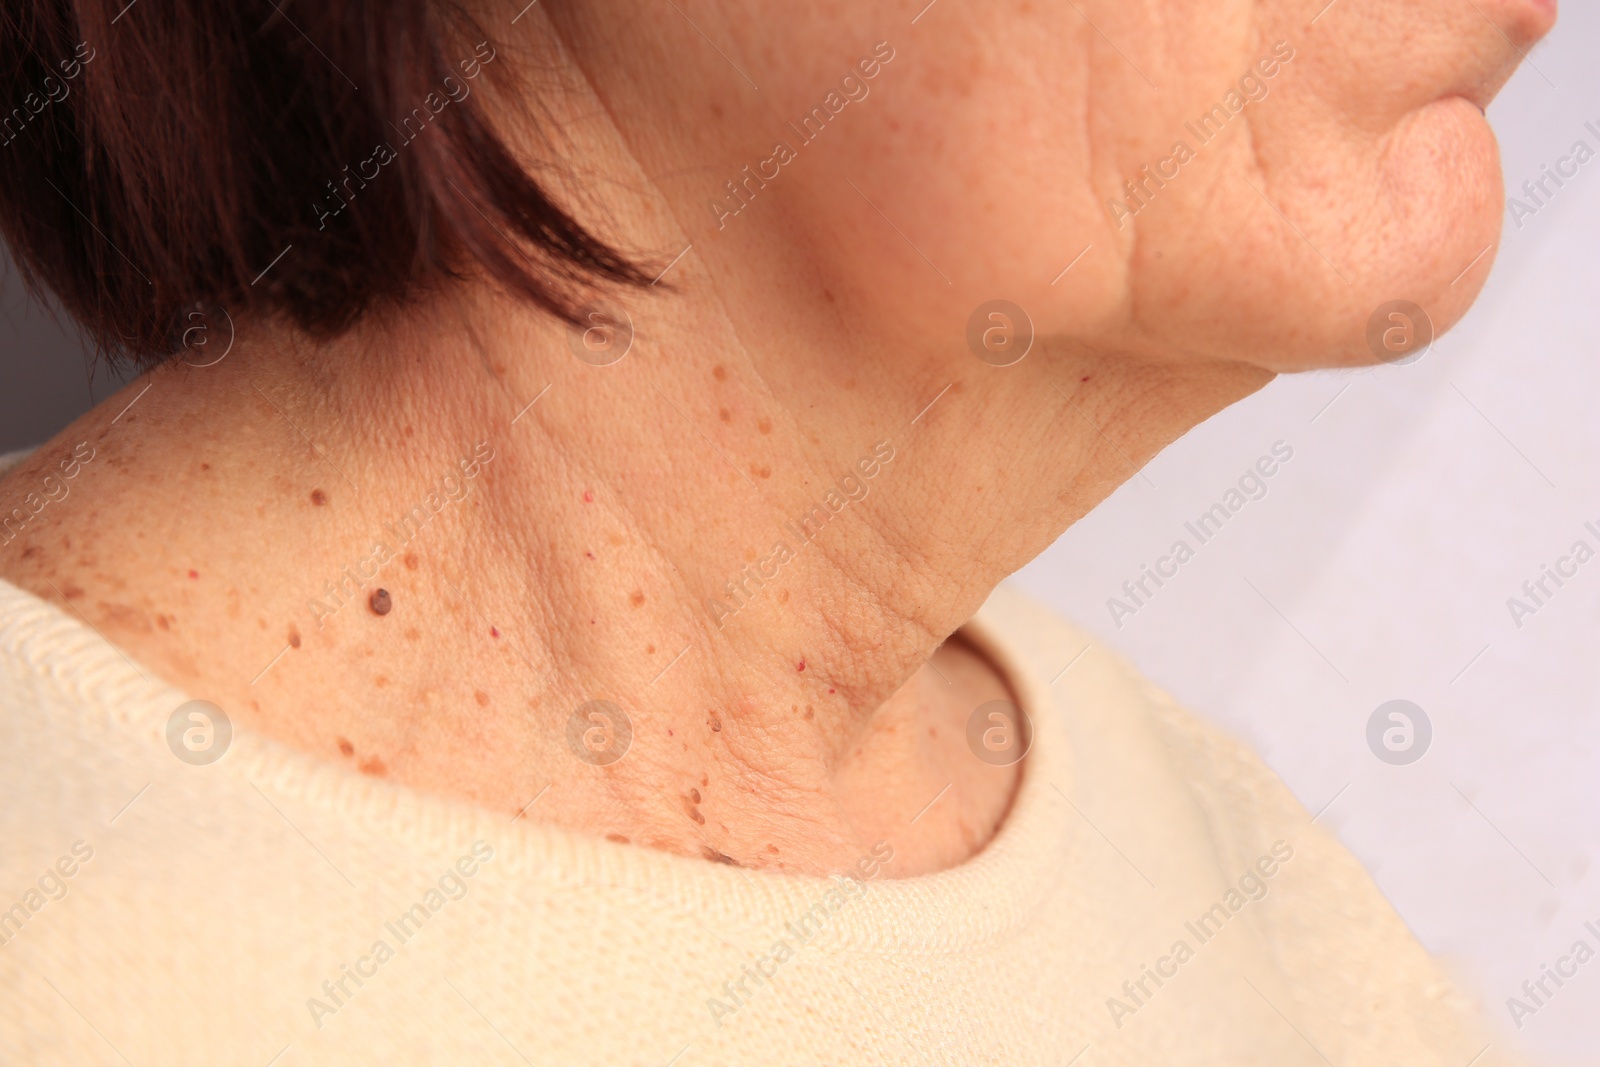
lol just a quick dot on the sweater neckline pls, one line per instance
(987, 897)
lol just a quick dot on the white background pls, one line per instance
(1414, 506)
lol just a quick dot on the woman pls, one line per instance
(540, 602)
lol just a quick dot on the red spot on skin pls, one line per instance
(719, 372)
(481, 697)
(346, 748)
(493, 632)
(761, 471)
(636, 598)
(1084, 378)
(588, 497)
(800, 666)
(381, 682)
(772, 849)
(318, 497)
(194, 574)
(669, 733)
(649, 650)
(294, 637)
(373, 766)
(411, 561)
(589, 554)
(830, 689)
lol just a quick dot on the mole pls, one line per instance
(318, 497)
(717, 857)
(380, 602)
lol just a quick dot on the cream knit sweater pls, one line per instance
(1155, 897)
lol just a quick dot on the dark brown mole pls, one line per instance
(346, 748)
(318, 497)
(717, 857)
(373, 766)
(380, 602)
(716, 724)
(294, 637)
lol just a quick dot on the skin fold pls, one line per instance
(820, 326)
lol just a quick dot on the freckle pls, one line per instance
(411, 561)
(719, 372)
(669, 733)
(932, 732)
(346, 748)
(194, 574)
(380, 602)
(481, 697)
(697, 817)
(381, 682)
(412, 634)
(716, 110)
(724, 414)
(373, 766)
(72, 592)
(717, 857)
(765, 425)
(30, 551)
(255, 705)
(636, 598)
(318, 497)
(694, 796)
(849, 383)
(409, 431)
(783, 596)
(205, 466)
(618, 838)
(294, 637)
(261, 623)
(649, 650)
(800, 666)
(809, 713)
(705, 779)
(614, 539)
(760, 472)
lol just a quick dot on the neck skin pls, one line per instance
(791, 725)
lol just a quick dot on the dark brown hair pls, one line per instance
(162, 155)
